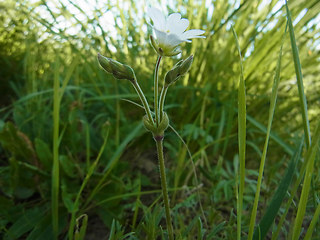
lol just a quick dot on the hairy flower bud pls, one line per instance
(180, 69)
(117, 69)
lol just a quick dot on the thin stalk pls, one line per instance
(162, 98)
(159, 144)
(156, 87)
(55, 167)
(143, 99)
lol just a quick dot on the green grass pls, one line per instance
(76, 161)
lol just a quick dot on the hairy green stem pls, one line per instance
(164, 187)
(143, 99)
(162, 98)
(156, 87)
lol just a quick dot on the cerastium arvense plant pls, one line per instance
(169, 32)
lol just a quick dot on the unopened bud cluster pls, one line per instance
(179, 70)
(122, 71)
(117, 69)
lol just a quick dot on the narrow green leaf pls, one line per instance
(313, 223)
(297, 66)
(112, 230)
(273, 101)
(271, 212)
(310, 157)
(241, 137)
(199, 228)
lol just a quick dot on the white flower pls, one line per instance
(170, 31)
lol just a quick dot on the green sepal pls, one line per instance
(156, 131)
(165, 52)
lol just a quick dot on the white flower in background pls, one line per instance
(170, 32)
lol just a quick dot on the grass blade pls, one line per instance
(313, 223)
(310, 157)
(297, 66)
(241, 137)
(273, 102)
(311, 154)
(268, 218)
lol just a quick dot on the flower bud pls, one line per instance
(172, 76)
(186, 65)
(119, 70)
(180, 69)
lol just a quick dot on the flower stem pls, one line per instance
(159, 143)
(156, 83)
(162, 98)
(142, 98)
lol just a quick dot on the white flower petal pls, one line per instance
(170, 32)
(173, 17)
(183, 24)
(173, 40)
(193, 33)
(158, 18)
(161, 36)
(175, 24)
